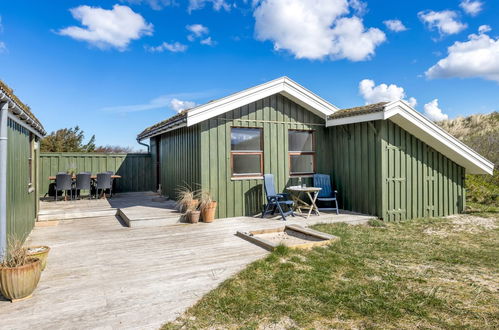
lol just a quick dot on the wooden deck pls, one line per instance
(101, 274)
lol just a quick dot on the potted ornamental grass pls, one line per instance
(19, 272)
(193, 214)
(41, 252)
(186, 199)
(207, 205)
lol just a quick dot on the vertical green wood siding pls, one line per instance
(21, 205)
(276, 115)
(377, 167)
(180, 160)
(354, 158)
(135, 169)
(418, 181)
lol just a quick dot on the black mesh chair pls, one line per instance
(103, 183)
(63, 182)
(83, 182)
(112, 181)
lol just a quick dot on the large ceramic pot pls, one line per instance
(41, 252)
(17, 283)
(208, 212)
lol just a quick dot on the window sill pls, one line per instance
(239, 178)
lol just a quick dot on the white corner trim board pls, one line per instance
(283, 85)
(427, 131)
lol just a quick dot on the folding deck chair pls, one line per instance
(327, 194)
(276, 201)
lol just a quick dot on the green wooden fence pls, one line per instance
(135, 169)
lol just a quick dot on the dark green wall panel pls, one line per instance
(353, 155)
(180, 160)
(135, 169)
(21, 204)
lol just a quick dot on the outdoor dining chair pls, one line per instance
(112, 181)
(83, 182)
(63, 182)
(103, 183)
(276, 201)
(326, 194)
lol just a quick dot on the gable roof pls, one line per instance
(20, 110)
(283, 86)
(418, 125)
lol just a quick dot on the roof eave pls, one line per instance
(27, 119)
(424, 129)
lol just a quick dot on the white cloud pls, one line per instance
(478, 57)
(179, 105)
(484, 29)
(105, 28)
(433, 112)
(200, 31)
(173, 47)
(154, 4)
(446, 21)
(216, 4)
(471, 7)
(208, 41)
(197, 31)
(395, 25)
(171, 101)
(315, 29)
(383, 93)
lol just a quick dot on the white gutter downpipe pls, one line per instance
(4, 111)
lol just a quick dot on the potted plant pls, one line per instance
(207, 205)
(41, 252)
(19, 273)
(193, 214)
(185, 199)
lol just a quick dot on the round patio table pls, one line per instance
(311, 193)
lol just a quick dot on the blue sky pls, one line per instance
(116, 67)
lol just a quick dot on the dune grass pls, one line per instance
(425, 273)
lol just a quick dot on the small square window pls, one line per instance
(246, 151)
(301, 147)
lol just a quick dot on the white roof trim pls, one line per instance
(424, 129)
(283, 85)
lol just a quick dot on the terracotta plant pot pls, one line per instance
(193, 216)
(19, 282)
(208, 212)
(41, 252)
(191, 206)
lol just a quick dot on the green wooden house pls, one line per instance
(385, 159)
(20, 133)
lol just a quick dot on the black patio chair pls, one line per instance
(103, 183)
(112, 181)
(83, 182)
(63, 182)
(326, 194)
(275, 201)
